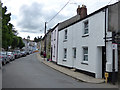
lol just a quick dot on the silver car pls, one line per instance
(4, 57)
(11, 55)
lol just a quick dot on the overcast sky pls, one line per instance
(29, 16)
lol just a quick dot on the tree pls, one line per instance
(37, 39)
(7, 34)
(20, 44)
(15, 42)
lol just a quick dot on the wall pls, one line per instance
(94, 42)
(54, 40)
(48, 44)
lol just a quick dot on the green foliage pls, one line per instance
(20, 44)
(15, 42)
(37, 39)
(9, 37)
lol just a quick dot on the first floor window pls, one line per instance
(66, 34)
(86, 27)
(65, 53)
(85, 53)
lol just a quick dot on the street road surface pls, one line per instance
(29, 72)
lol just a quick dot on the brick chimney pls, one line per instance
(83, 11)
(78, 10)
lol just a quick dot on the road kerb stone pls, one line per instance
(76, 75)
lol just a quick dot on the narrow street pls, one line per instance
(28, 72)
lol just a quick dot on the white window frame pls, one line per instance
(85, 54)
(86, 28)
(65, 53)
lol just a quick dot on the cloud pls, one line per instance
(29, 16)
(34, 16)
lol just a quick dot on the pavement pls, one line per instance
(71, 72)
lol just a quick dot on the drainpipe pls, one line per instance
(105, 40)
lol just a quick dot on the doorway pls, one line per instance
(103, 61)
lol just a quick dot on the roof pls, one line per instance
(76, 18)
(69, 21)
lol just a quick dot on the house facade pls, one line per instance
(54, 43)
(82, 44)
(54, 34)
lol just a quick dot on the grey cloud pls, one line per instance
(34, 16)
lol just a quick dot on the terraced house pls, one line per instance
(86, 44)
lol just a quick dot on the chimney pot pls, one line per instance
(78, 10)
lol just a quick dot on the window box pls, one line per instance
(65, 60)
(84, 62)
(64, 40)
(85, 35)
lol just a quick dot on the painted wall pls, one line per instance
(94, 41)
(54, 45)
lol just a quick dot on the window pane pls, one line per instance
(85, 54)
(85, 57)
(65, 34)
(86, 27)
(85, 50)
(65, 53)
(74, 52)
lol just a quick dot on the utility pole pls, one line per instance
(45, 38)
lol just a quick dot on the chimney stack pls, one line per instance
(82, 11)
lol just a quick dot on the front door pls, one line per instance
(73, 57)
(103, 61)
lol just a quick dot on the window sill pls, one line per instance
(64, 40)
(85, 63)
(64, 60)
(86, 35)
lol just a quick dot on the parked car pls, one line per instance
(0, 61)
(17, 53)
(23, 53)
(4, 58)
(30, 52)
(11, 55)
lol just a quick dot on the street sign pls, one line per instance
(114, 46)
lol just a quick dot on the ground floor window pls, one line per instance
(85, 53)
(65, 53)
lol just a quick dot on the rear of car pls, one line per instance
(17, 53)
(4, 58)
(11, 55)
(23, 53)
